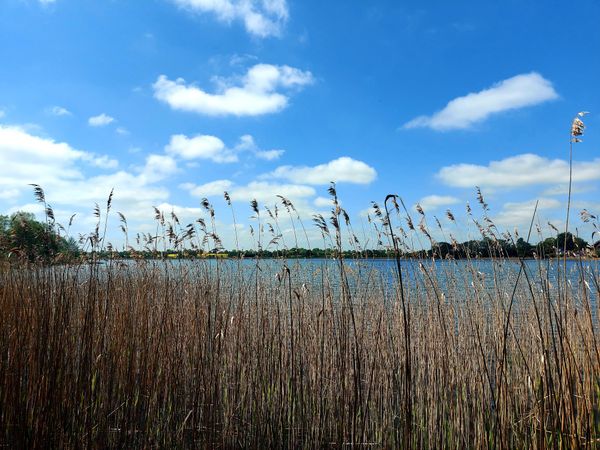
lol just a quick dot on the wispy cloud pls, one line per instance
(269, 155)
(432, 202)
(324, 202)
(258, 93)
(210, 189)
(247, 143)
(463, 112)
(344, 169)
(515, 214)
(100, 120)
(521, 170)
(261, 18)
(60, 111)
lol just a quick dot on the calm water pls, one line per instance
(382, 273)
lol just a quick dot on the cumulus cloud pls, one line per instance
(261, 18)
(344, 169)
(157, 168)
(59, 169)
(513, 93)
(515, 214)
(521, 170)
(100, 120)
(432, 202)
(259, 92)
(32, 159)
(200, 147)
(214, 149)
(262, 191)
(211, 189)
(60, 111)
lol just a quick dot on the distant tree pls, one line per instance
(574, 244)
(22, 235)
(442, 250)
(524, 248)
(547, 248)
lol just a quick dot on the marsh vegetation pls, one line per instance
(413, 353)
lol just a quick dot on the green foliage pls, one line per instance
(554, 246)
(22, 236)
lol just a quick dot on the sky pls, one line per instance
(171, 101)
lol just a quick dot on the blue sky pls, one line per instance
(182, 99)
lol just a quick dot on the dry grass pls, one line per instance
(163, 354)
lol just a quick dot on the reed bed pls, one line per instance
(212, 354)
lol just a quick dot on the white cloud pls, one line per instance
(265, 192)
(344, 169)
(262, 191)
(60, 111)
(200, 147)
(9, 194)
(323, 202)
(31, 159)
(261, 18)
(432, 202)
(183, 213)
(214, 188)
(519, 214)
(122, 131)
(2, 113)
(103, 162)
(63, 172)
(47, 2)
(563, 189)
(521, 170)
(34, 208)
(58, 168)
(214, 149)
(269, 155)
(258, 93)
(247, 143)
(513, 93)
(157, 168)
(592, 206)
(100, 120)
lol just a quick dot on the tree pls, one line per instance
(524, 248)
(573, 243)
(24, 236)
